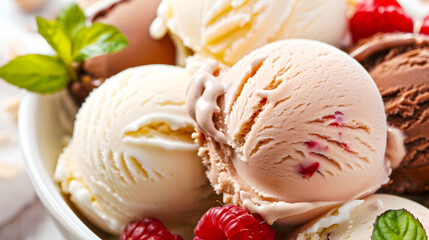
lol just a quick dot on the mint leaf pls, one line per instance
(398, 225)
(56, 37)
(96, 40)
(36, 73)
(73, 42)
(71, 19)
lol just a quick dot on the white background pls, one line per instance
(29, 220)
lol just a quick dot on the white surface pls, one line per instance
(33, 223)
(13, 179)
(22, 215)
(11, 13)
(15, 188)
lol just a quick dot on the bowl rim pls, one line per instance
(43, 184)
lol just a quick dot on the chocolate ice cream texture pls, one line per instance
(399, 64)
(133, 19)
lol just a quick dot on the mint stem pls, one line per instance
(72, 72)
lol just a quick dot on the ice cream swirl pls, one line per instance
(201, 99)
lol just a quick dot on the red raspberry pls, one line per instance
(373, 16)
(148, 229)
(425, 26)
(232, 223)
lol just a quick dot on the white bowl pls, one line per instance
(41, 124)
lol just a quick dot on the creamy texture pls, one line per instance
(395, 148)
(132, 155)
(384, 42)
(399, 65)
(133, 19)
(293, 111)
(196, 62)
(229, 29)
(204, 90)
(352, 221)
(343, 215)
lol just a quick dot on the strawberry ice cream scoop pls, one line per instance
(290, 130)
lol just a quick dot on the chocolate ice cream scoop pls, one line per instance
(133, 19)
(399, 64)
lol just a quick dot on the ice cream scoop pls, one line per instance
(399, 65)
(355, 219)
(132, 156)
(290, 130)
(133, 19)
(228, 30)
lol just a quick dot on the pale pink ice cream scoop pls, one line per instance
(290, 130)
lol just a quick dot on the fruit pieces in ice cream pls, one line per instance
(301, 127)
(399, 65)
(132, 155)
(355, 219)
(133, 19)
(230, 29)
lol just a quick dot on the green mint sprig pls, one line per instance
(73, 41)
(398, 225)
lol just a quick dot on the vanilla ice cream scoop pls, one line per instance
(291, 129)
(355, 220)
(132, 155)
(230, 29)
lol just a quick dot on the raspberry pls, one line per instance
(425, 26)
(308, 171)
(148, 229)
(373, 16)
(232, 223)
